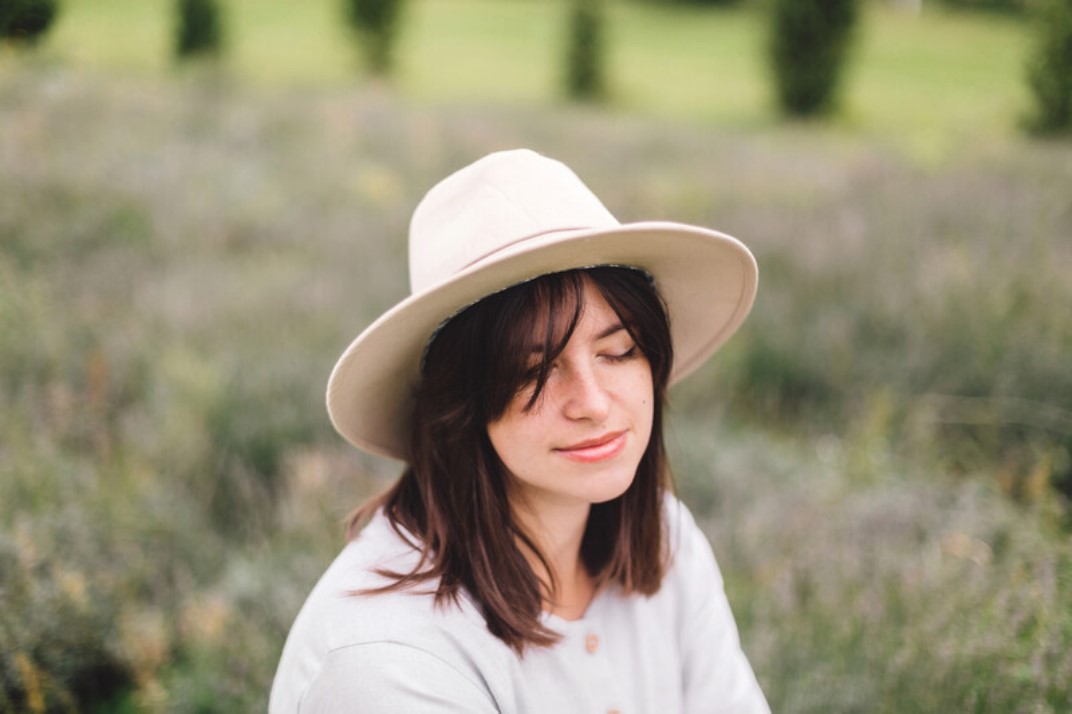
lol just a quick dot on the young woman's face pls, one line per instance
(582, 440)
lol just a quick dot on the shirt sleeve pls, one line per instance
(392, 678)
(717, 676)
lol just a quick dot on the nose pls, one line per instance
(585, 396)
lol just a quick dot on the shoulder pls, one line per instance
(715, 672)
(344, 638)
(687, 544)
(386, 676)
(693, 579)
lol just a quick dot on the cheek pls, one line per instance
(497, 436)
(645, 402)
(643, 386)
(510, 436)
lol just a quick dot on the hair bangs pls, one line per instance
(534, 325)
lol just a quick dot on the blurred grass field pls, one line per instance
(882, 457)
(928, 85)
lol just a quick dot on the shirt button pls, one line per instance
(591, 643)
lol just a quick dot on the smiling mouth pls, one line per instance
(598, 449)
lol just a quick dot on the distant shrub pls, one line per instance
(808, 47)
(1009, 6)
(56, 652)
(1049, 69)
(375, 23)
(584, 50)
(252, 421)
(26, 20)
(711, 3)
(199, 30)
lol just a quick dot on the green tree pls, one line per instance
(585, 76)
(1049, 68)
(375, 24)
(1005, 6)
(809, 45)
(26, 20)
(199, 30)
(712, 3)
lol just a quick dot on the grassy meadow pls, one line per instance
(882, 457)
(928, 86)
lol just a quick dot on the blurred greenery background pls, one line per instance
(881, 457)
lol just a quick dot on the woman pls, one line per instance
(530, 558)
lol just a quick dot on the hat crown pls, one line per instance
(496, 202)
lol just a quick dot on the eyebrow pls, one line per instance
(616, 327)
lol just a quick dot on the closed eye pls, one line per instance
(622, 356)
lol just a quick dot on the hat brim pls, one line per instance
(708, 280)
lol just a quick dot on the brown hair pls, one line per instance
(453, 495)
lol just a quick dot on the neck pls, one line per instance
(557, 533)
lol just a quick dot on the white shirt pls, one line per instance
(676, 651)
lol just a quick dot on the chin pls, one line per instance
(610, 486)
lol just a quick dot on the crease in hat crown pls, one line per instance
(496, 202)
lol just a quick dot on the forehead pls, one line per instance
(587, 306)
(598, 318)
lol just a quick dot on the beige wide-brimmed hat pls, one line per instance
(507, 218)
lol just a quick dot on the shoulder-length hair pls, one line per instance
(453, 494)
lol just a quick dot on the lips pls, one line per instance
(600, 448)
